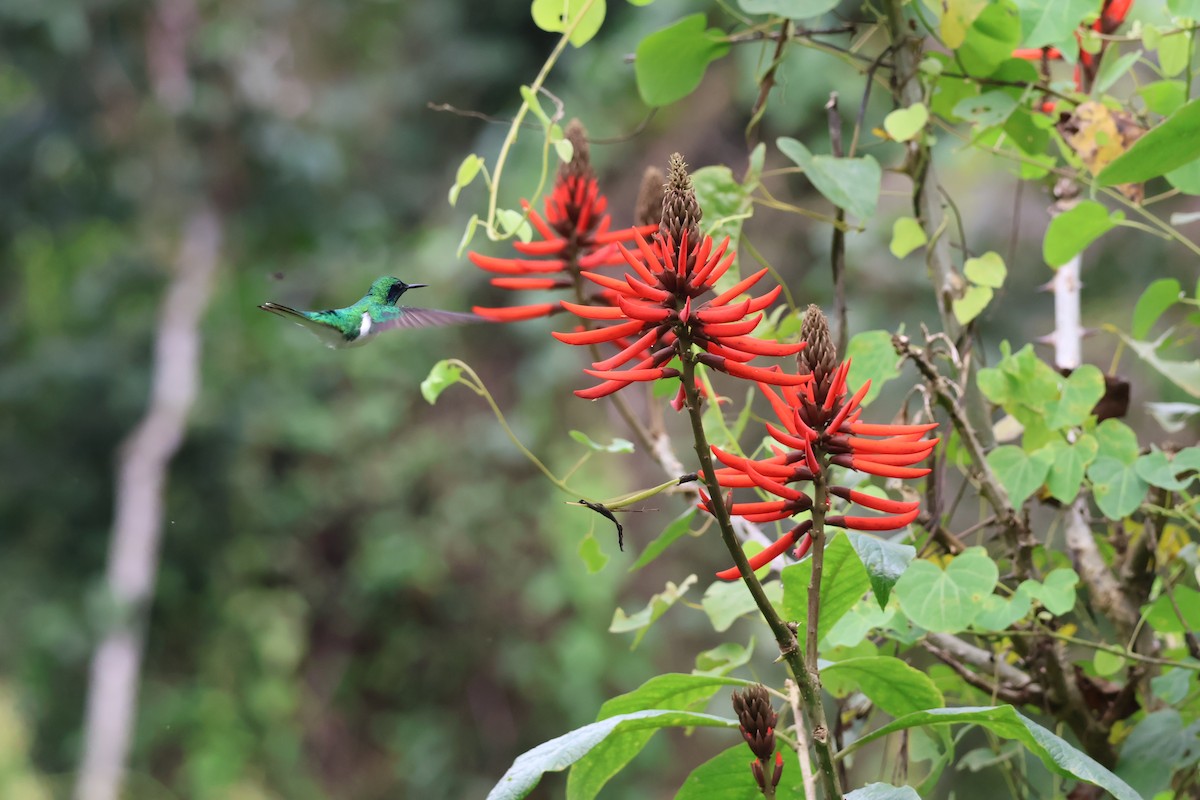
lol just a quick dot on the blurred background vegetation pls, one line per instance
(361, 595)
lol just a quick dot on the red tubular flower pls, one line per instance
(821, 427)
(574, 233)
(667, 304)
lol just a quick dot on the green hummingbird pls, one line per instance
(376, 312)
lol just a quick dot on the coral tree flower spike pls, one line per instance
(668, 299)
(820, 425)
(574, 235)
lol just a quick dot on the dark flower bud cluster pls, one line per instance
(756, 720)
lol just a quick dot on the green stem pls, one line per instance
(784, 636)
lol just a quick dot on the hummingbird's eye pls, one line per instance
(394, 293)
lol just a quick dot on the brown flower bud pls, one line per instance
(680, 211)
(757, 720)
(650, 197)
(820, 357)
(580, 165)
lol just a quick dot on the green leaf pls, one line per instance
(883, 791)
(513, 222)
(947, 600)
(1158, 747)
(987, 109)
(1161, 613)
(616, 446)
(1000, 613)
(558, 754)
(1081, 390)
(1020, 381)
(849, 183)
(1186, 179)
(907, 235)
(1069, 233)
(1020, 473)
(884, 562)
(888, 682)
(1056, 593)
(872, 358)
(991, 39)
(1056, 753)
(678, 691)
(1117, 440)
(556, 16)
(443, 375)
(593, 557)
(1164, 97)
(986, 270)
(1070, 462)
(658, 605)
(725, 601)
(726, 777)
(1117, 487)
(905, 123)
(1170, 144)
(1155, 469)
(957, 16)
(1189, 9)
(793, 9)
(1112, 68)
(1156, 299)
(467, 171)
(843, 581)
(1107, 663)
(675, 530)
(974, 300)
(726, 205)
(1174, 52)
(670, 63)
(1053, 23)
(724, 658)
(1184, 374)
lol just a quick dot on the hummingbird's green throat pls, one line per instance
(376, 312)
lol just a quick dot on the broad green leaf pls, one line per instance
(1020, 380)
(725, 601)
(1171, 144)
(1107, 663)
(793, 9)
(593, 557)
(681, 692)
(849, 183)
(443, 375)
(986, 270)
(987, 109)
(905, 123)
(991, 39)
(726, 777)
(1020, 473)
(974, 300)
(907, 235)
(1155, 469)
(1172, 686)
(1184, 374)
(1189, 9)
(1071, 232)
(1058, 755)
(583, 17)
(1164, 97)
(947, 600)
(1186, 179)
(1056, 593)
(724, 658)
(864, 617)
(1054, 23)
(616, 446)
(558, 754)
(999, 613)
(1069, 464)
(872, 358)
(1155, 299)
(1081, 390)
(1116, 440)
(513, 222)
(1117, 487)
(665, 539)
(1158, 747)
(884, 562)
(883, 791)
(1161, 613)
(1174, 51)
(888, 682)
(671, 62)
(658, 605)
(843, 582)
(1113, 65)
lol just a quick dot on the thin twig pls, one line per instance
(837, 248)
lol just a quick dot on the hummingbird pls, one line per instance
(376, 312)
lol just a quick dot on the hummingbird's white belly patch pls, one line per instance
(365, 327)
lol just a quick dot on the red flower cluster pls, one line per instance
(821, 427)
(574, 234)
(659, 312)
(1111, 16)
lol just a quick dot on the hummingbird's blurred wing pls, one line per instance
(423, 318)
(327, 333)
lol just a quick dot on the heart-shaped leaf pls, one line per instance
(849, 183)
(947, 600)
(1020, 473)
(1117, 487)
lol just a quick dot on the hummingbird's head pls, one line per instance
(388, 290)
